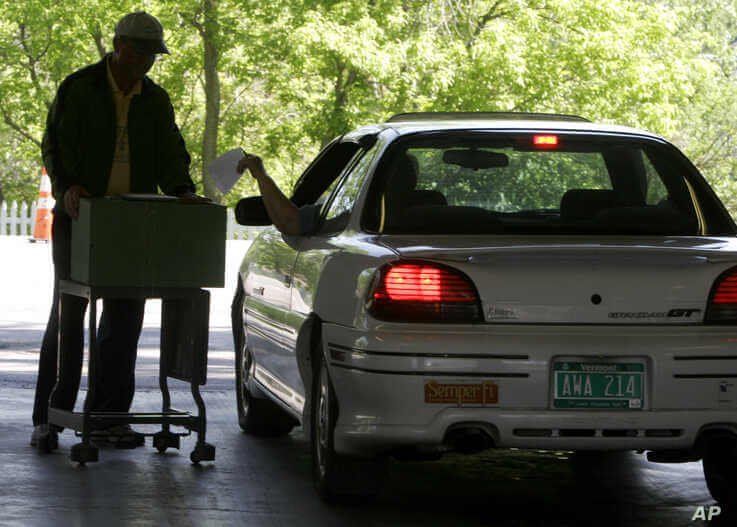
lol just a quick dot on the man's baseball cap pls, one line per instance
(146, 31)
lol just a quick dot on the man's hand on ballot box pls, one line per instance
(71, 200)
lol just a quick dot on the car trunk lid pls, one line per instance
(575, 280)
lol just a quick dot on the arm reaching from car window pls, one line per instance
(282, 212)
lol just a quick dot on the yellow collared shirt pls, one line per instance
(120, 173)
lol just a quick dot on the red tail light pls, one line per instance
(416, 291)
(722, 308)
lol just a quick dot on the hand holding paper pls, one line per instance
(223, 170)
(253, 163)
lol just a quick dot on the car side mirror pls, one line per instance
(252, 211)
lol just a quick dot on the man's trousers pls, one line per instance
(117, 340)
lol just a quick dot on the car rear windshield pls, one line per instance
(531, 183)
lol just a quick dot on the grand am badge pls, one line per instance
(673, 313)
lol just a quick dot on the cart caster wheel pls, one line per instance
(84, 453)
(48, 442)
(203, 452)
(163, 440)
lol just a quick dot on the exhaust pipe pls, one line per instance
(468, 438)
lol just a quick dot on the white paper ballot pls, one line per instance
(223, 169)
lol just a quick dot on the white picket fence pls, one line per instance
(19, 220)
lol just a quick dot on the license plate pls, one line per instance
(461, 393)
(598, 385)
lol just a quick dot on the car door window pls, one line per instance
(322, 175)
(326, 195)
(340, 206)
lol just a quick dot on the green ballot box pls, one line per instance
(148, 242)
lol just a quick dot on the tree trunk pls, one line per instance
(210, 33)
(345, 77)
(99, 42)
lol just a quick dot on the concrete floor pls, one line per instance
(267, 482)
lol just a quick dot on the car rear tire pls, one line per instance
(720, 470)
(337, 478)
(256, 416)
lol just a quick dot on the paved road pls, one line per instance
(267, 482)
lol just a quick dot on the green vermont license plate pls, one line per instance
(598, 385)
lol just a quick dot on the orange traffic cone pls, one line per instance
(42, 224)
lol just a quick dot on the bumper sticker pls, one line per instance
(446, 393)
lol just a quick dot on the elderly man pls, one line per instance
(110, 131)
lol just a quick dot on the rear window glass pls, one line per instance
(490, 183)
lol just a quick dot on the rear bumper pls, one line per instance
(379, 377)
(511, 429)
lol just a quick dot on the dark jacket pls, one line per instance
(79, 140)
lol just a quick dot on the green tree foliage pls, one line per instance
(282, 78)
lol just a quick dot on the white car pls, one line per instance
(494, 280)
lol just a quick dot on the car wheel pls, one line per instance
(256, 416)
(337, 478)
(720, 470)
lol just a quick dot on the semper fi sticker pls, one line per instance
(461, 393)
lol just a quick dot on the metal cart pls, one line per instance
(183, 356)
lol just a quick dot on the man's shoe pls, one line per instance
(45, 435)
(38, 431)
(119, 436)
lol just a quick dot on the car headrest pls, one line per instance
(404, 175)
(578, 204)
